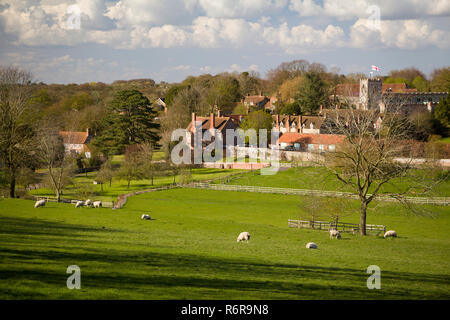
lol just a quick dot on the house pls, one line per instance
(299, 124)
(160, 104)
(309, 142)
(219, 123)
(76, 141)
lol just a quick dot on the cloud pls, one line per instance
(403, 34)
(391, 10)
(239, 8)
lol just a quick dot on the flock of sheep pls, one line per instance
(243, 236)
(87, 203)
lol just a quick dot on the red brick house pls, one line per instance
(310, 142)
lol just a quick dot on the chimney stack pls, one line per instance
(219, 113)
(277, 122)
(321, 109)
(211, 120)
(89, 131)
(193, 121)
(287, 124)
(299, 124)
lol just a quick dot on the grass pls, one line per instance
(318, 178)
(189, 251)
(445, 140)
(120, 186)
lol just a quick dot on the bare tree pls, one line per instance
(16, 132)
(51, 152)
(367, 160)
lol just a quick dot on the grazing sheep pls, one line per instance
(390, 233)
(335, 234)
(79, 204)
(146, 217)
(88, 202)
(243, 236)
(39, 203)
(311, 245)
(97, 204)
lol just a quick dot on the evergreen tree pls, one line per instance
(131, 120)
(312, 92)
(442, 116)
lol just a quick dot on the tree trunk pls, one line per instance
(101, 186)
(362, 228)
(152, 178)
(128, 184)
(12, 186)
(110, 181)
(58, 195)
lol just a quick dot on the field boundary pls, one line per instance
(442, 201)
(105, 204)
(340, 226)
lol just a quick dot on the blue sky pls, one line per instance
(171, 39)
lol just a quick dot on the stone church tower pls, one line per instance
(370, 95)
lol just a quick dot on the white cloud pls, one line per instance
(349, 9)
(403, 34)
(239, 8)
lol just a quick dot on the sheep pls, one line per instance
(40, 203)
(88, 202)
(335, 234)
(146, 217)
(79, 204)
(311, 245)
(97, 204)
(243, 236)
(390, 233)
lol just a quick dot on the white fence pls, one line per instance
(318, 193)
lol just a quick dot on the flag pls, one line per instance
(375, 68)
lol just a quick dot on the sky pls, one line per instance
(105, 40)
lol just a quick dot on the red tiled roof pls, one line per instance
(74, 137)
(220, 123)
(292, 137)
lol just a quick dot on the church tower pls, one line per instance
(370, 93)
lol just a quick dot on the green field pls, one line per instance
(318, 178)
(120, 186)
(189, 251)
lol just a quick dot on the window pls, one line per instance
(321, 147)
(331, 147)
(310, 147)
(297, 146)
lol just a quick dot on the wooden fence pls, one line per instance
(442, 201)
(340, 226)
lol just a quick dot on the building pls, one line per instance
(76, 141)
(160, 104)
(374, 94)
(310, 142)
(298, 124)
(260, 102)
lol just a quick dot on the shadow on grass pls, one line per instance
(139, 270)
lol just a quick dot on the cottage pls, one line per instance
(76, 141)
(308, 142)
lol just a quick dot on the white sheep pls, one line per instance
(335, 234)
(243, 236)
(79, 204)
(390, 233)
(40, 203)
(97, 204)
(311, 245)
(88, 202)
(146, 217)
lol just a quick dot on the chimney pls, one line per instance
(277, 122)
(193, 121)
(89, 131)
(219, 113)
(211, 121)
(261, 93)
(287, 123)
(299, 124)
(321, 109)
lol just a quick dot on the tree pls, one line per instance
(366, 161)
(258, 120)
(16, 131)
(131, 120)
(441, 115)
(52, 155)
(289, 89)
(440, 80)
(292, 109)
(312, 93)
(105, 174)
(224, 93)
(408, 74)
(131, 168)
(421, 84)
